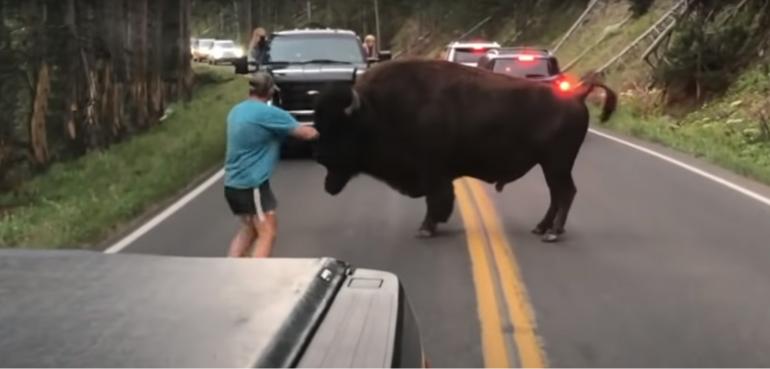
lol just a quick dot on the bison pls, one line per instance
(418, 125)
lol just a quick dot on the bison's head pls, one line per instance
(336, 115)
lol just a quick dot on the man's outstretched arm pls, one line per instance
(305, 133)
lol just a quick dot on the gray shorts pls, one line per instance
(251, 201)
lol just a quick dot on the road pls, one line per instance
(660, 266)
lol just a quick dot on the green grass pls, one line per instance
(78, 204)
(726, 131)
(712, 142)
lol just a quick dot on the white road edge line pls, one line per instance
(165, 214)
(690, 168)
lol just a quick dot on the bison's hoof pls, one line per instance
(427, 230)
(550, 237)
(426, 233)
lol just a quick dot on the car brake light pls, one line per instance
(565, 86)
(526, 58)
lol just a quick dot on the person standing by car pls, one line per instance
(257, 46)
(255, 131)
(370, 46)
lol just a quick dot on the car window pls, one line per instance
(225, 44)
(301, 48)
(205, 44)
(469, 55)
(523, 68)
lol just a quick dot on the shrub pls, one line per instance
(639, 7)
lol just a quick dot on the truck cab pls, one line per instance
(303, 62)
(89, 309)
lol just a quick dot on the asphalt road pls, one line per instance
(660, 266)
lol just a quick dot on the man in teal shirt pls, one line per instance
(255, 131)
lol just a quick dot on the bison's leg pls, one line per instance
(563, 190)
(440, 203)
(547, 221)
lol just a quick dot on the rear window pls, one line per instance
(469, 55)
(536, 68)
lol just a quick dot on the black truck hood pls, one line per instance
(315, 72)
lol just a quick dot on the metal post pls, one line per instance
(377, 24)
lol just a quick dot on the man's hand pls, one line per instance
(305, 133)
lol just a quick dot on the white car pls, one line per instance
(200, 49)
(224, 51)
(469, 53)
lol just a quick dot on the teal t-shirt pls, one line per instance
(255, 131)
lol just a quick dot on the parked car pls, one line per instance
(303, 62)
(201, 49)
(86, 309)
(224, 51)
(469, 53)
(525, 62)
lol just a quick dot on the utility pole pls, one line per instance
(377, 23)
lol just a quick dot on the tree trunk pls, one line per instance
(38, 136)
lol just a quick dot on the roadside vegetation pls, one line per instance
(78, 203)
(710, 98)
(731, 131)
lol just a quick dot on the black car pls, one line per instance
(303, 62)
(524, 62)
(86, 309)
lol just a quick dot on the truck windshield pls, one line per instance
(304, 48)
(469, 55)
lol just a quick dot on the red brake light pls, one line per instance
(478, 48)
(565, 86)
(526, 58)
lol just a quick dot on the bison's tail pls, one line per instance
(610, 99)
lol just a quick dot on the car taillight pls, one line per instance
(526, 58)
(565, 86)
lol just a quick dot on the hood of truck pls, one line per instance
(316, 72)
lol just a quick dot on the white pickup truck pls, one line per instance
(87, 309)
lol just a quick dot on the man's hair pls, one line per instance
(261, 84)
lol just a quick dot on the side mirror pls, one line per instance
(241, 65)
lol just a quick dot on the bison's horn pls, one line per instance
(354, 104)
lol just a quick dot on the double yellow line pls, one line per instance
(500, 291)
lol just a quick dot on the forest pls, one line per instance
(80, 75)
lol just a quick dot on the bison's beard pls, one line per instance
(335, 182)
